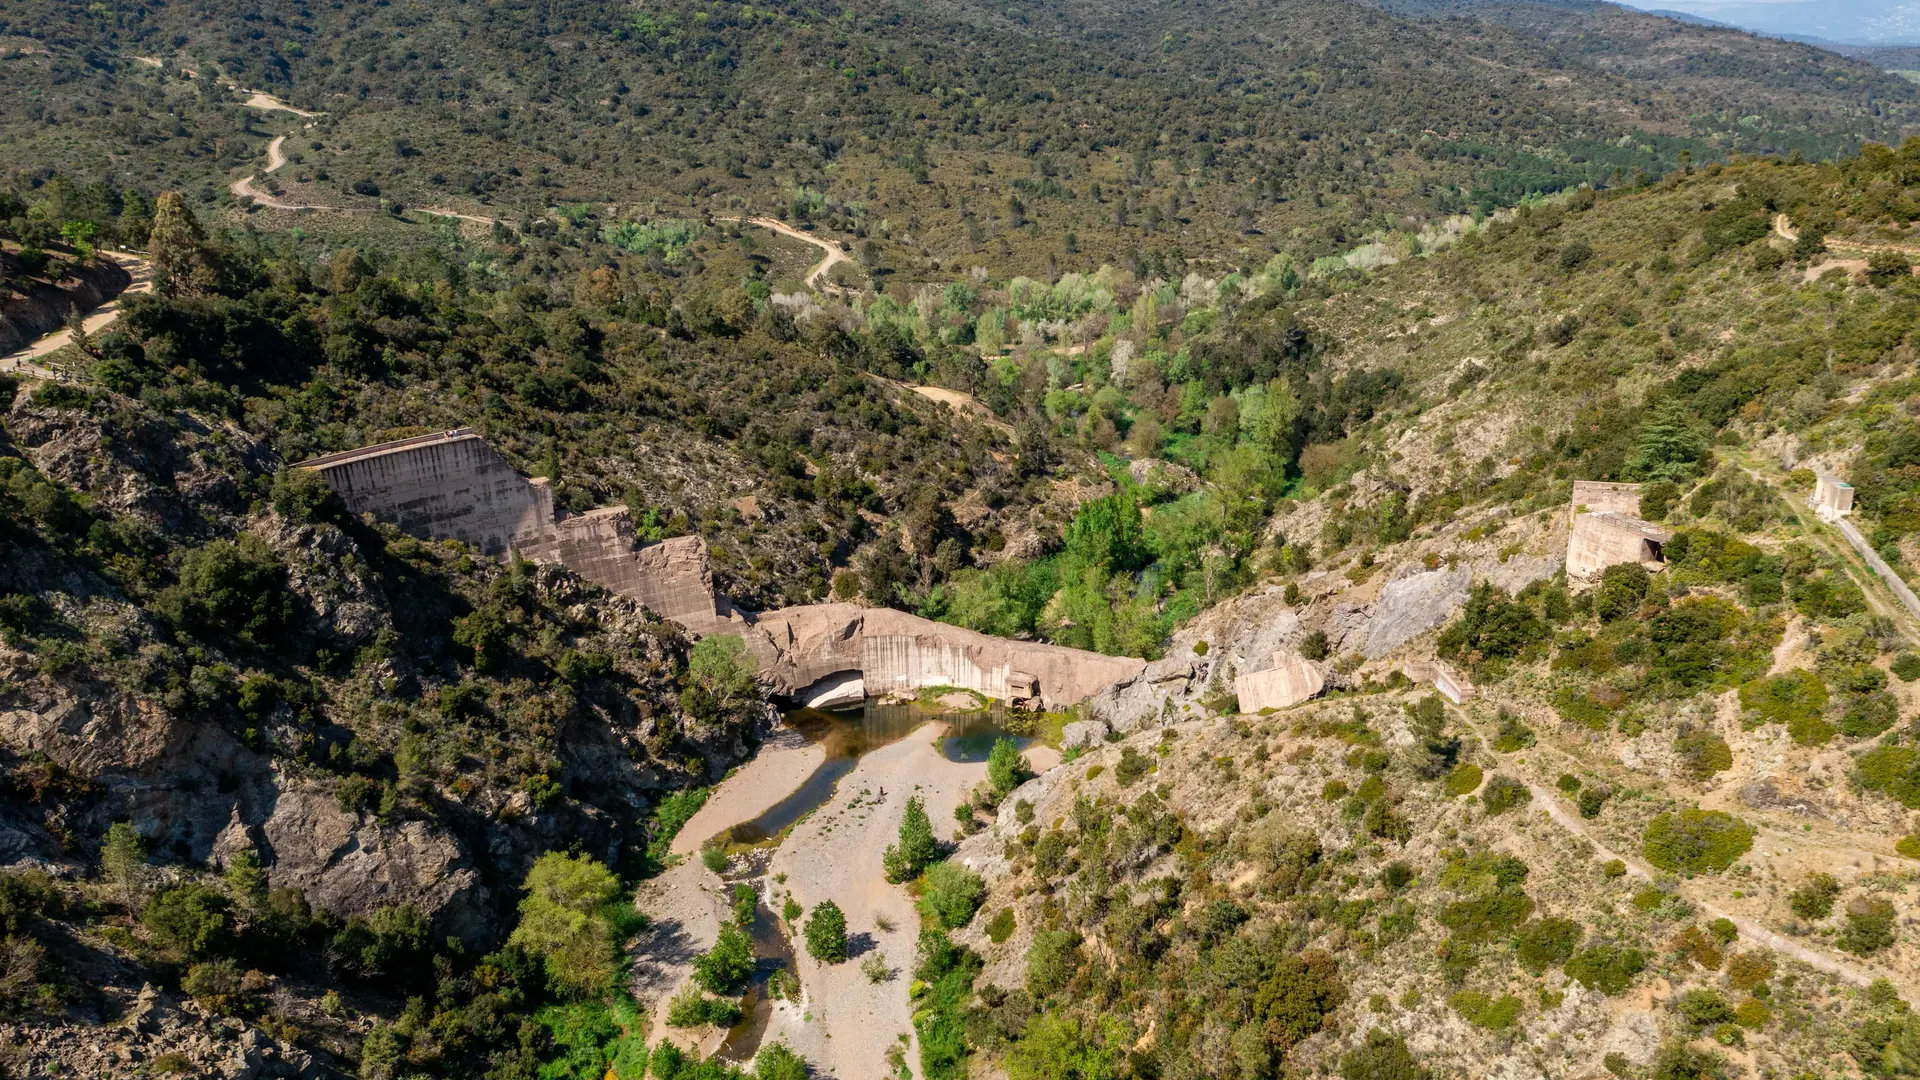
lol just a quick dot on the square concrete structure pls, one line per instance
(1832, 497)
(1603, 540)
(1602, 497)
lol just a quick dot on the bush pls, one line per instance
(188, 919)
(1703, 1008)
(229, 588)
(1493, 626)
(1703, 753)
(1609, 969)
(1503, 794)
(1793, 698)
(690, 1008)
(215, 984)
(1892, 770)
(1592, 799)
(728, 964)
(1001, 926)
(1464, 779)
(1696, 841)
(1315, 646)
(1132, 766)
(951, 894)
(777, 1062)
(1477, 1009)
(1869, 714)
(1622, 588)
(1679, 1061)
(1382, 1057)
(1906, 666)
(1544, 943)
(1869, 926)
(1814, 899)
(1513, 734)
(1052, 960)
(827, 933)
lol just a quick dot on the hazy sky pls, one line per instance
(1863, 22)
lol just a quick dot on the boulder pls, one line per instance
(1083, 734)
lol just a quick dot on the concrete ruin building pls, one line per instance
(1832, 497)
(1606, 530)
(453, 485)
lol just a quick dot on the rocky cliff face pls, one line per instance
(391, 723)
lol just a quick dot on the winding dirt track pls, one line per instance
(816, 277)
(1783, 228)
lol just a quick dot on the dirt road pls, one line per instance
(816, 277)
(23, 361)
(1548, 799)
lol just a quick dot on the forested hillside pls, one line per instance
(1016, 138)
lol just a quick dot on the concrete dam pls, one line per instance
(453, 485)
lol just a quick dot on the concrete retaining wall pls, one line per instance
(1602, 540)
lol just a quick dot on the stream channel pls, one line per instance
(845, 735)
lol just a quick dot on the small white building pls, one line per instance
(1832, 497)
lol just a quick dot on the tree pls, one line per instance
(722, 679)
(1668, 446)
(123, 862)
(177, 249)
(188, 919)
(724, 967)
(564, 921)
(827, 933)
(1006, 768)
(778, 1062)
(917, 847)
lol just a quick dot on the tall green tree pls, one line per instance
(565, 921)
(917, 847)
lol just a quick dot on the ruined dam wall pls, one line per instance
(454, 486)
(447, 486)
(896, 652)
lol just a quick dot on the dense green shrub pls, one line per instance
(951, 894)
(229, 589)
(1609, 969)
(189, 919)
(1892, 770)
(827, 933)
(725, 967)
(1382, 1057)
(1702, 753)
(1464, 779)
(1906, 665)
(1494, 1014)
(1503, 793)
(1869, 926)
(1543, 943)
(1001, 926)
(1491, 627)
(1696, 841)
(1622, 587)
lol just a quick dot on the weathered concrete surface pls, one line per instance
(895, 652)
(1601, 497)
(1832, 497)
(1607, 539)
(840, 690)
(1290, 679)
(450, 485)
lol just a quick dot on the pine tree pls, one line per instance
(177, 249)
(917, 847)
(123, 862)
